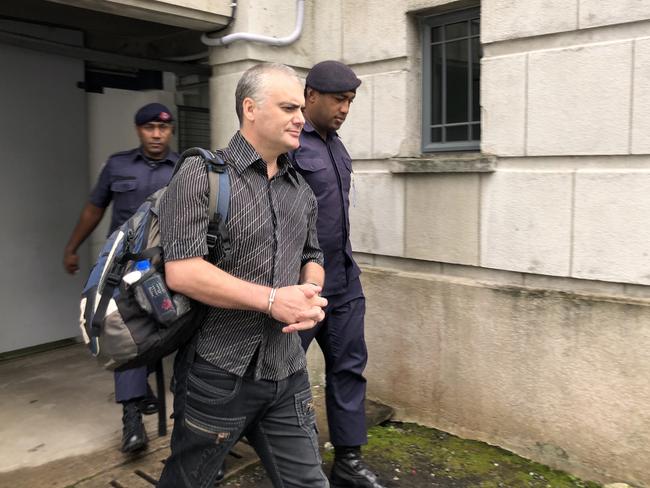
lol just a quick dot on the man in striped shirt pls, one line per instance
(244, 374)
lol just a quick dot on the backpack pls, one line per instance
(129, 318)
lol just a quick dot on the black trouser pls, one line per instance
(341, 338)
(213, 409)
(130, 384)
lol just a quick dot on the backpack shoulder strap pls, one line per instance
(219, 200)
(192, 152)
(219, 182)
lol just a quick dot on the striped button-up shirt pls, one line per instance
(272, 226)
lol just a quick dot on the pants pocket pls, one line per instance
(306, 414)
(222, 430)
(213, 438)
(209, 386)
(305, 408)
(207, 413)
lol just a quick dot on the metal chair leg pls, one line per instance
(162, 399)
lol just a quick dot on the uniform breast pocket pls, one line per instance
(317, 172)
(125, 193)
(346, 174)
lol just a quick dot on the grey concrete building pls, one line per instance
(501, 203)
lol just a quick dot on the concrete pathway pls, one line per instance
(57, 405)
(61, 427)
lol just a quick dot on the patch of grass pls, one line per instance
(413, 450)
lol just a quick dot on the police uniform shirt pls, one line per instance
(327, 167)
(127, 179)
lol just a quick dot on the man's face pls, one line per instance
(154, 137)
(278, 118)
(327, 111)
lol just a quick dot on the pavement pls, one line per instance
(57, 405)
(60, 426)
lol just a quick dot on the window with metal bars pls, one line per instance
(193, 127)
(451, 114)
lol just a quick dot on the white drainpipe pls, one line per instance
(273, 41)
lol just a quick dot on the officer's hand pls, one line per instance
(304, 325)
(71, 262)
(297, 304)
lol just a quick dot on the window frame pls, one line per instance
(427, 23)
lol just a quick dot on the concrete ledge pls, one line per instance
(189, 14)
(445, 163)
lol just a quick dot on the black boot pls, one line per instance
(349, 470)
(134, 437)
(149, 404)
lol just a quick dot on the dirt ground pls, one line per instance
(411, 456)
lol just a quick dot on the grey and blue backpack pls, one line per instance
(129, 318)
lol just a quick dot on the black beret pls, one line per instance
(332, 77)
(153, 112)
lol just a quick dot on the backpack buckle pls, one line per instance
(216, 168)
(212, 240)
(113, 279)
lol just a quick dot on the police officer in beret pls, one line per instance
(326, 165)
(127, 179)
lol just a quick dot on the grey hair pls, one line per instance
(253, 82)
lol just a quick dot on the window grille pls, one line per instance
(451, 114)
(193, 127)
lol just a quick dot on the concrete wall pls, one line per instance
(557, 377)
(575, 100)
(42, 188)
(523, 289)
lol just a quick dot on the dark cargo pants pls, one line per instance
(213, 409)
